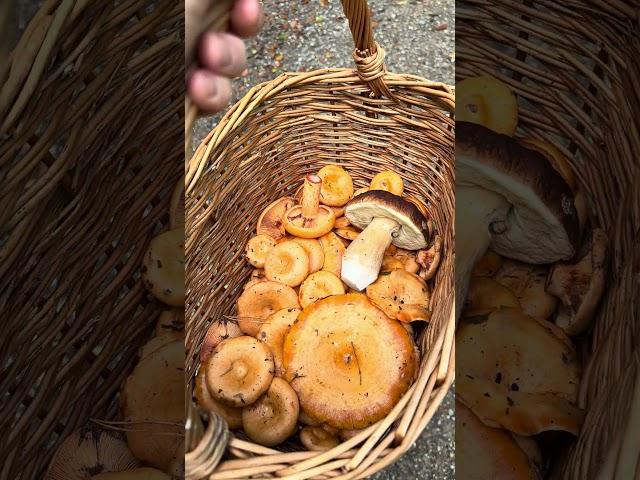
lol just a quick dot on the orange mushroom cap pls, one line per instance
(319, 285)
(273, 332)
(401, 295)
(388, 181)
(260, 300)
(337, 186)
(310, 219)
(163, 267)
(318, 439)
(232, 415)
(287, 263)
(271, 222)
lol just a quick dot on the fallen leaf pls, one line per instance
(442, 26)
(278, 57)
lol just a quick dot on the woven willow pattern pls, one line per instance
(574, 68)
(86, 175)
(367, 120)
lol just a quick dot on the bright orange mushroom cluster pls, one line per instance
(305, 352)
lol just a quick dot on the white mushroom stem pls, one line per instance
(478, 211)
(363, 258)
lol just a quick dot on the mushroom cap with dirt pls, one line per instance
(274, 416)
(348, 373)
(90, 451)
(152, 402)
(260, 300)
(239, 370)
(511, 199)
(273, 332)
(144, 473)
(287, 263)
(170, 321)
(385, 219)
(518, 372)
(204, 399)
(310, 219)
(401, 295)
(337, 185)
(218, 331)
(271, 220)
(163, 267)
(319, 285)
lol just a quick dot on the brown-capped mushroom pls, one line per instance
(144, 473)
(488, 265)
(90, 451)
(386, 219)
(518, 372)
(390, 263)
(261, 300)
(274, 416)
(337, 186)
(239, 370)
(527, 284)
(348, 373)
(319, 285)
(271, 221)
(287, 263)
(218, 331)
(401, 295)
(333, 250)
(511, 199)
(274, 330)
(486, 295)
(484, 452)
(152, 402)
(318, 439)
(158, 342)
(258, 248)
(314, 252)
(232, 415)
(310, 219)
(388, 181)
(170, 321)
(579, 286)
(163, 267)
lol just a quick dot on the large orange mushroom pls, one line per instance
(348, 373)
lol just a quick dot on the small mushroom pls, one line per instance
(388, 181)
(509, 199)
(232, 415)
(239, 370)
(486, 295)
(348, 373)
(144, 473)
(518, 373)
(152, 403)
(337, 186)
(487, 101)
(163, 267)
(411, 265)
(390, 263)
(218, 331)
(287, 263)
(261, 300)
(341, 222)
(170, 321)
(90, 451)
(348, 233)
(258, 248)
(314, 252)
(429, 259)
(274, 416)
(274, 330)
(579, 286)
(305, 419)
(319, 285)
(333, 250)
(488, 265)
(271, 221)
(318, 439)
(420, 205)
(386, 219)
(310, 219)
(527, 283)
(401, 295)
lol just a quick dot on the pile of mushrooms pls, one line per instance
(322, 344)
(530, 269)
(147, 440)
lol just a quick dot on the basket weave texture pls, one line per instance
(573, 66)
(367, 120)
(82, 191)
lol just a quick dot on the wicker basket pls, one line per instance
(81, 195)
(366, 120)
(574, 68)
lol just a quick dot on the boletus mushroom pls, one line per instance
(274, 416)
(348, 373)
(511, 199)
(144, 473)
(90, 451)
(163, 267)
(580, 285)
(518, 372)
(260, 300)
(310, 219)
(385, 219)
(239, 370)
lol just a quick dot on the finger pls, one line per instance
(223, 53)
(210, 92)
(246, 17)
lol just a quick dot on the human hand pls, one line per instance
(220, 56)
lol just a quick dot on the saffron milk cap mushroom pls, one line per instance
(401, 295)
(348, 373)
(287, 263)
(314, 252)
(318, 439)
(511, 199)
(486, 295)
(274, 416)
(218, 331)
(337, 186)
(273, 332)
(333, 250)
(260, 300)
(239, 370)
(163, 267)
(271, 221)
(232, 415)
(388, 181)
(310, 219)
(258, 248)
(170, 321)
(319, 285)
(385, 219)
